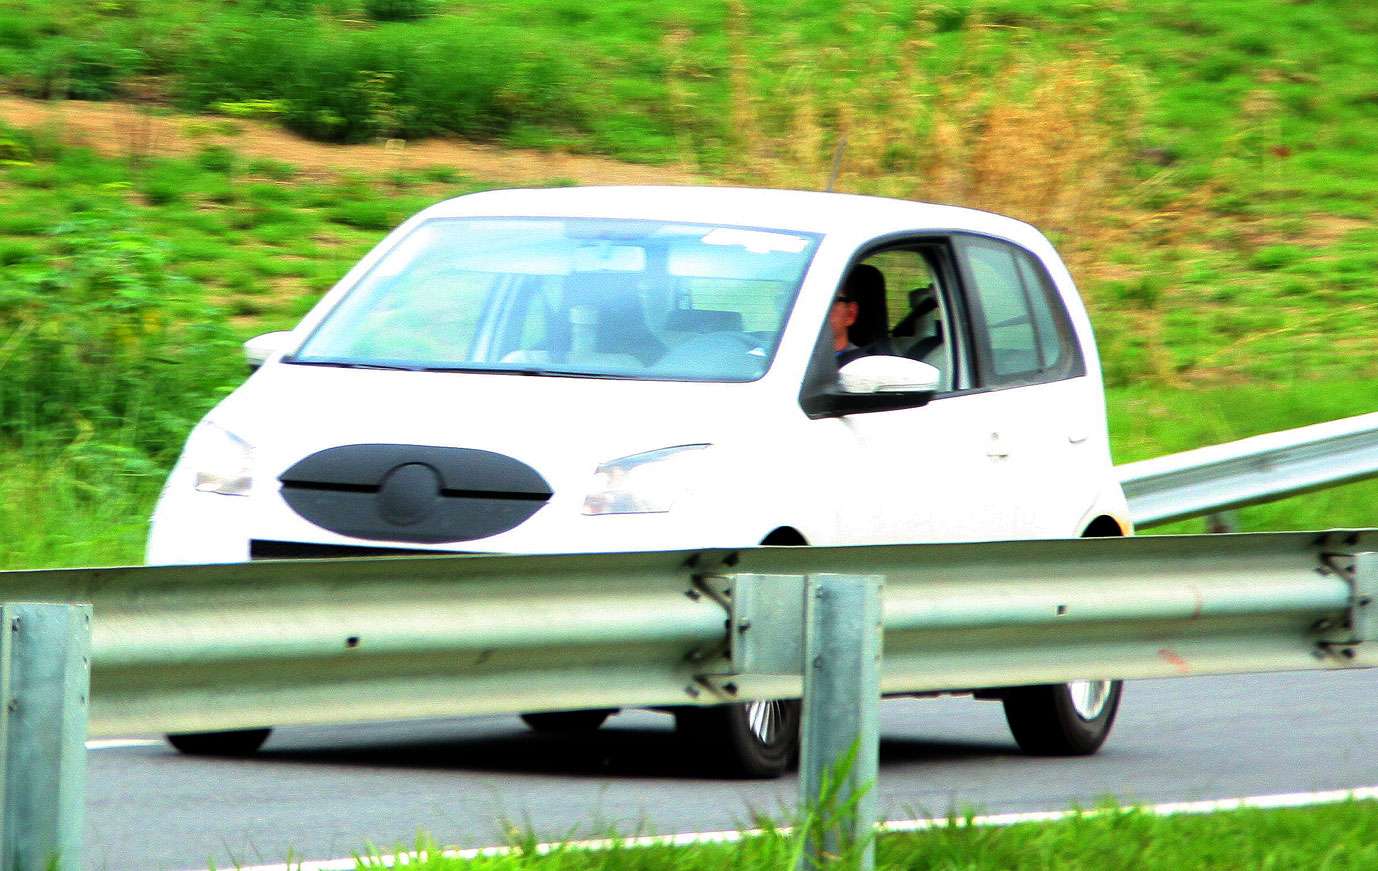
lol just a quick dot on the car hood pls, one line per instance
(557, 425)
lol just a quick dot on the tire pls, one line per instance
(758, 740)
(237, 742)
(564, 722)
(1062, 719)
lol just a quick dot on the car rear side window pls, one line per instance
(1023, 333)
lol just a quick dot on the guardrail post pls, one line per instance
(840, 746)
(1221, 522)
(44, 686)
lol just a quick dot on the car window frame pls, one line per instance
(1074, 364)
(821, 374)
(786, 314)
(972, 360)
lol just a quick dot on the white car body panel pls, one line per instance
(1021, 462)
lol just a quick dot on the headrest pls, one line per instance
(865, 286)
(863, 283)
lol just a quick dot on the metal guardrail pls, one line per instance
(201, 648)
(1252, 470)
(204, 648)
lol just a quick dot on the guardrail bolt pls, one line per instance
(818, 662)
(14, 625)
(743, 625)
(730, 689)
(12, 705)
(692, 690)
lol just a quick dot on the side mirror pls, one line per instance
(883, 374)
(258, 349)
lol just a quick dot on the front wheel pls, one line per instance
(236, 742)
(1072, 719)
(751, 739)
(567, 721)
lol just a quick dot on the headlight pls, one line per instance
(222, 460)
(646, 483)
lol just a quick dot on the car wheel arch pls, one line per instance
(1103, 526)
(785, 536)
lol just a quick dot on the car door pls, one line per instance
(1030, 366)
(926, 473)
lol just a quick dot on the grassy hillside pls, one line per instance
(1208, 169)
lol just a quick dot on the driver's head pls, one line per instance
(863, 286)
(840, 317)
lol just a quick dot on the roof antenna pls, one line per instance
(837, 162)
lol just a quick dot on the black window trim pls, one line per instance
(820, 377)
(816, 393)
(988, 380)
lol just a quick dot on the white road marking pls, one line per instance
(1283, 800)
(114, 743)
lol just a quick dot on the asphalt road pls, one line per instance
(319, 793)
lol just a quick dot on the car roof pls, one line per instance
(803, 211)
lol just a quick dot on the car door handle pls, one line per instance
(995, 448)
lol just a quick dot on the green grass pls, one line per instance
(1229, 267)
(605, 76)
(1244, 187)
(81, 505)
(237, 227)
(1336, 837)
(258, 261)
(1148, 421)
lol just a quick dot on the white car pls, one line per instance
(642, 368)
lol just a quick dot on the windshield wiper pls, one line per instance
(351, 364)
(478, 370)
(572, 373)
(550, 373)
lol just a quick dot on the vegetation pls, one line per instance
(1205, 167)
(1337, 837)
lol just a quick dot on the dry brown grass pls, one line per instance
(1046, 142)
(129, 131)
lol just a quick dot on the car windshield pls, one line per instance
(602, 298)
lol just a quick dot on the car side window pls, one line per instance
(911, 317)
(1023, 333)
(901, 309)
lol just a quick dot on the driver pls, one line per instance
(840, 318)
(857, 317)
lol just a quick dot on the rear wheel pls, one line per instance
(752, 739)
(236, 742)
(567, 721)
(1070, 719)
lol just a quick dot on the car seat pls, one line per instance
(865, 285)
